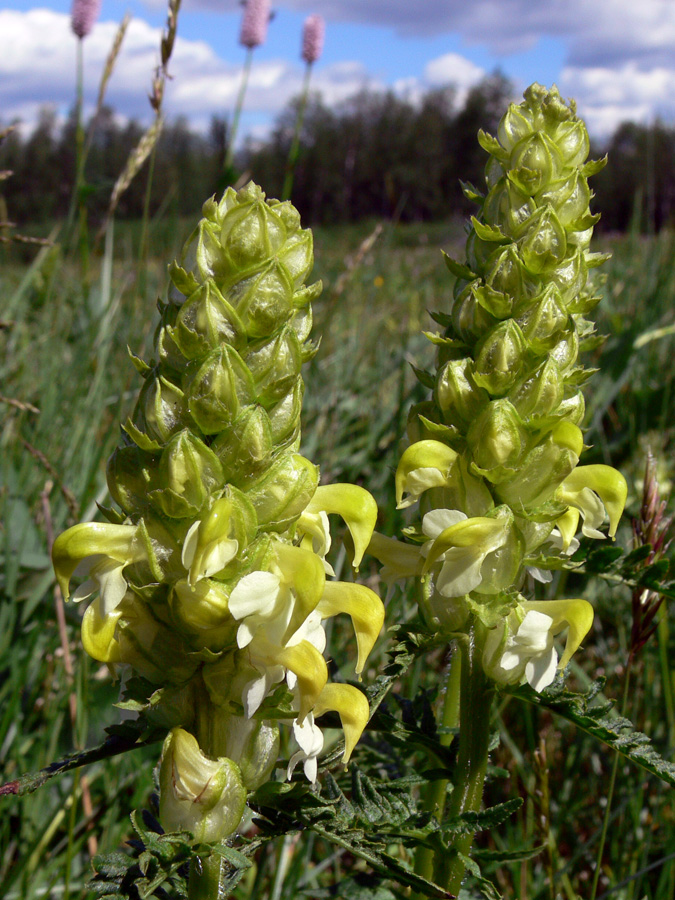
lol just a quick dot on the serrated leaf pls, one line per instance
(459, 270)
(490, 233)
(491, 145)
(424, 378)
(505, 856)
(470, 822)
(601, 723)
(470, 192)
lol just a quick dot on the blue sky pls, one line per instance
(617, 57)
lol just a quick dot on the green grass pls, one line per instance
(65, 355)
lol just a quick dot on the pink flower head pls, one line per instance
(83, 16)
(312, 38)
(254, 23)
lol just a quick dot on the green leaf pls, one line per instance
(471, 822)
(505, 856)
(601, 722)
(458, 269)
(490, 233)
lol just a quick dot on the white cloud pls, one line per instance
(455, 70)
(607, 97)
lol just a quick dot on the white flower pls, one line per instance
(556, 539)
(204, 558)
(265, 605)
(521, 647)
(530, 651)
(310, 738)
(105, 578)
(461, 544)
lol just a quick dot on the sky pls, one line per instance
(615, 57)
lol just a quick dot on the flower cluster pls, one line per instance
(211, 582)
(493, 458)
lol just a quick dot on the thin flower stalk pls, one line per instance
(253, 33)
(312, 46)
(84, 14)
(492, 467)
(210, 581)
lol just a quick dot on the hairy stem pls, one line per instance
(475, 702)
(205, 879)
(436, 792)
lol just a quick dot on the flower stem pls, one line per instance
(475, 702)
(205, 879)
(436, 792)
(295, 145)
(610, 792)
(229, 156)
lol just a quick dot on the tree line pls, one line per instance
(376, 155)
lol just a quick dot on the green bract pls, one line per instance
(211, 583)
(493, 459)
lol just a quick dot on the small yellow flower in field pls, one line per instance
(378, 281)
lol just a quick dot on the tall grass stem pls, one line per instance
(246, 71)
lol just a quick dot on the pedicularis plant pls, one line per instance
(211, 582)
(210, 585)
(493, 463)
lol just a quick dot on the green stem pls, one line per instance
(666, 674)
(205, 879)
(295, 145)
(475, 703)
(610, 793)
(229, 156)
(436, 792)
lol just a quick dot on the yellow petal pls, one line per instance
(480, 533)
(92, 539)
(98, 633)
(607, 483)
(356, 506)
(352, 707)
(403, 559)
(366, 611)
(577, 614)
(308, 664)
(303, 571)
(421, 455)
(567, 525)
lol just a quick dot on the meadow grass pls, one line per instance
(65, 384)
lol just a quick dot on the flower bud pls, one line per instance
(282, 494)
(500, 358)
(245, 448)
(457, 394)
(218, 390)
(264, 301)
(202, 611)
(541, 393)
(204, 796)
(275, 366)
(254, 23)
(312, 38)
(497, 440)
(545, 243)
(189, 471)
(83, 16)
(543, 320)
(160, 413)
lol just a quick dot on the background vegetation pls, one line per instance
(377, 154)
